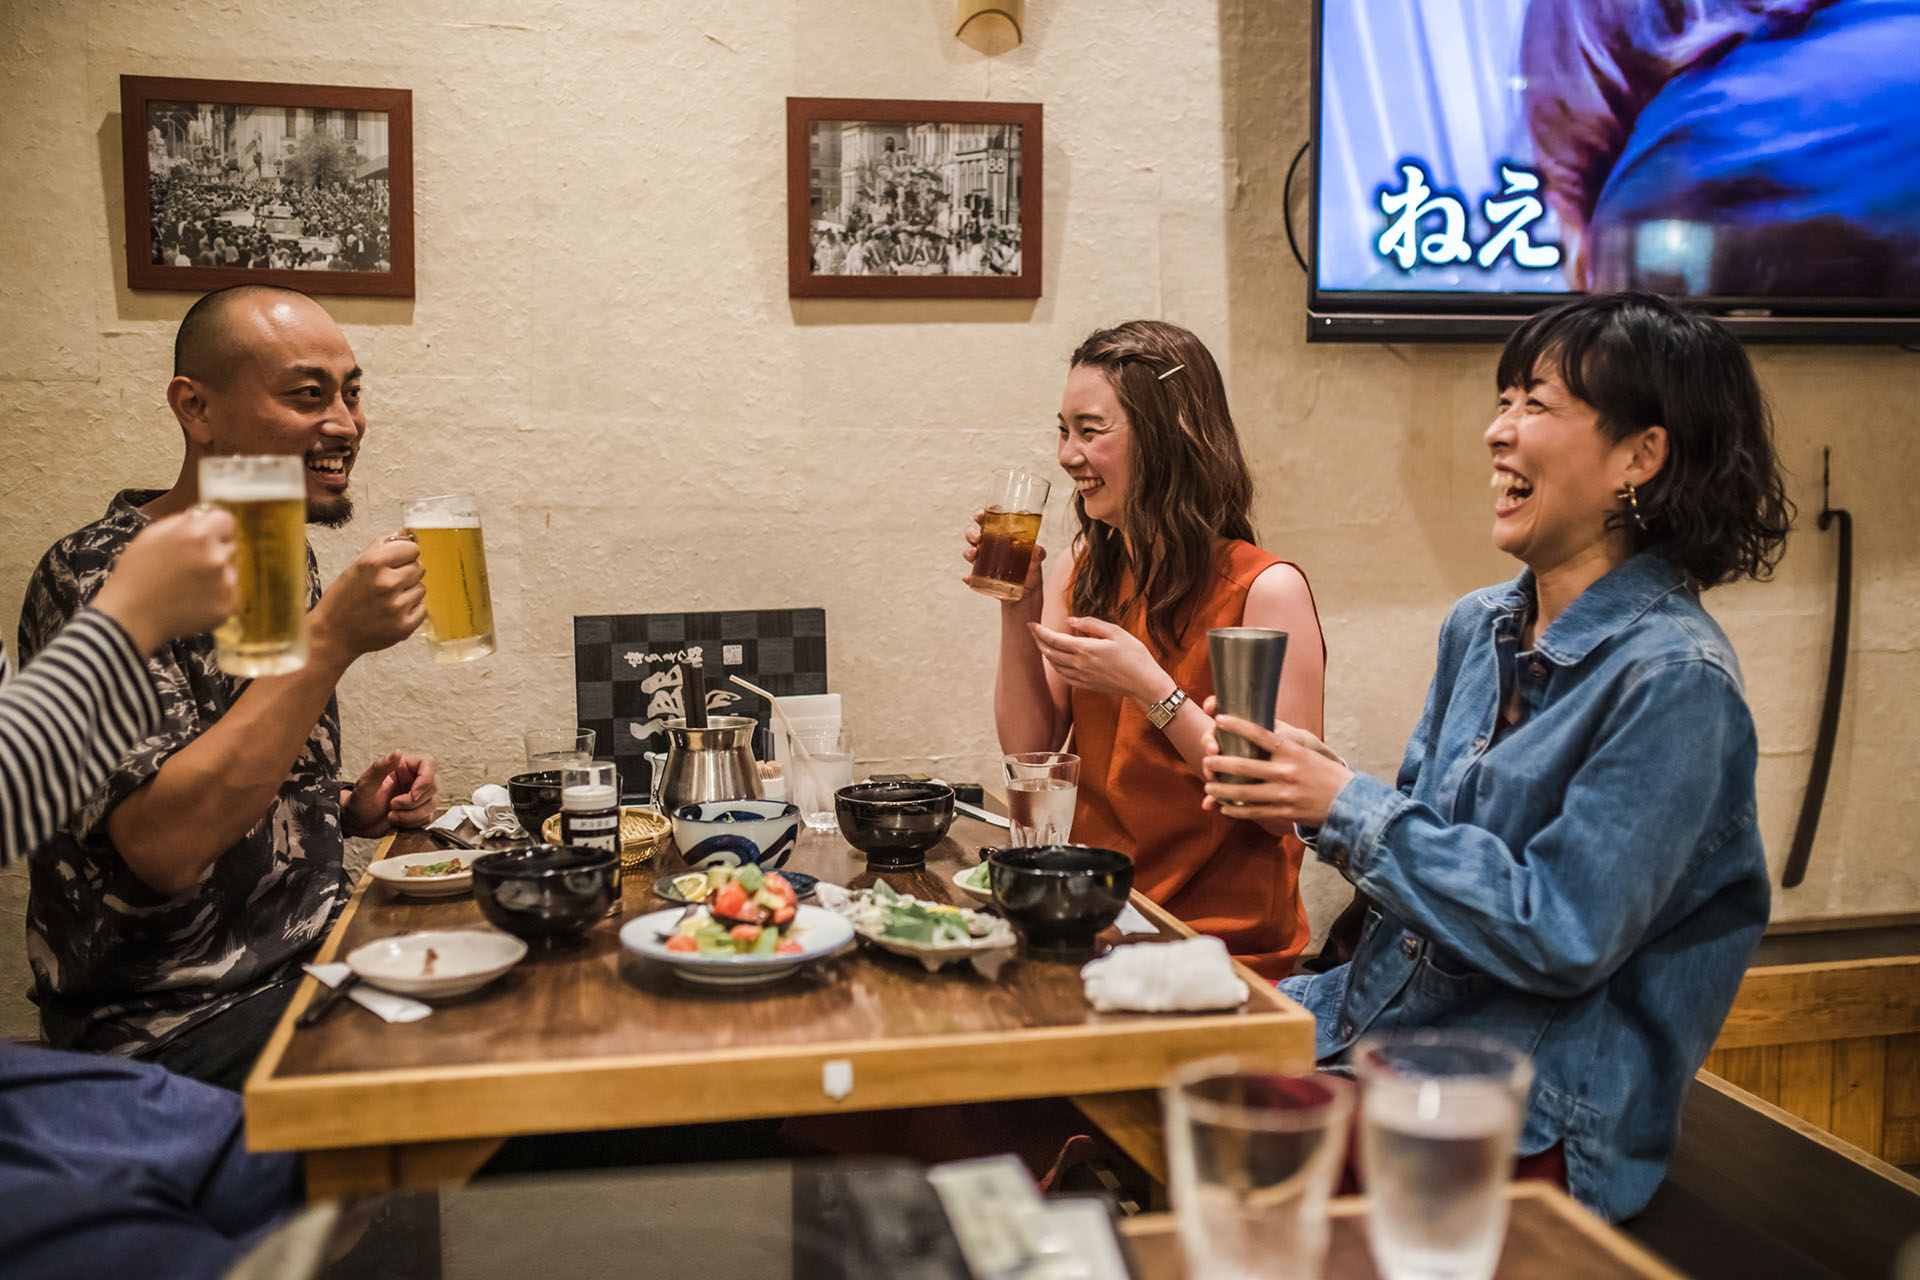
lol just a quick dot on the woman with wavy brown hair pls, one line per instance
(1114, 646)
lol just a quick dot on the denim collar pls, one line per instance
(1600, 611)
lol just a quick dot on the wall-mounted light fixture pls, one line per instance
(991, 26)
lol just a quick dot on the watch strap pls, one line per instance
(1160, 714)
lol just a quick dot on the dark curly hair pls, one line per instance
(1718, 509)
(1188, 481)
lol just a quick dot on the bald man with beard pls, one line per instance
(168, 920)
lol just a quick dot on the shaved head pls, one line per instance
(209, 346)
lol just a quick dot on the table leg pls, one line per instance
(340, 1172)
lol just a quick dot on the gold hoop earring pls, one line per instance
(1632, 498)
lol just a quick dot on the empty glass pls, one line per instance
(558, 748)
(1254, 1154)
(1042, 787)
(1440, 1112)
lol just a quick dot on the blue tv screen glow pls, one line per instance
(1476, 160)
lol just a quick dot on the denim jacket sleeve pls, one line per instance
(1556, 910)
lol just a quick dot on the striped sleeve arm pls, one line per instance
(66, 720)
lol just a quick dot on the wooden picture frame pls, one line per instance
(925, 199)
(255, 147)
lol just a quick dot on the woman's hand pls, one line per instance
(1298, 784)
(1102, 658)
(1035, 580)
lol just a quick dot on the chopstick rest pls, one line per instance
(383, 1004)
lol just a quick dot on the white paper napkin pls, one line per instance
(1132, 922)
(1160, 977)
(384, 1003)
(491, 814)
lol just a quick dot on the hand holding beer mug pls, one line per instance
(1003, 554)
(267, 498)
(459, 605)
(175, 579)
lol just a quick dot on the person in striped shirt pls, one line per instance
(111, 1167)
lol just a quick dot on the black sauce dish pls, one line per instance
(1060, 896)
(894, 823)
(535, 798)
(547, 894)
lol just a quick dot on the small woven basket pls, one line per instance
(643, 833)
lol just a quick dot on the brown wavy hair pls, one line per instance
(1187, 480)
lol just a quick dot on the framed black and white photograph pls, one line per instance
(894, 198)
(236, 181)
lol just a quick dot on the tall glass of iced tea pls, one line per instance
(1008, 530)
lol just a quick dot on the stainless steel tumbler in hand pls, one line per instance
(1246, 683)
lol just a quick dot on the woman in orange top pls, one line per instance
(1115, 647)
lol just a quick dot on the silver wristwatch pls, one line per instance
(1161, 713)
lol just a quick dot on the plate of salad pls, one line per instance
(936, 934)
(749, 929)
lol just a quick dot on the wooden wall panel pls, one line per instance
(1902, 1125)
(1756, 1069)
(1860, 1092)
(1806, 1082)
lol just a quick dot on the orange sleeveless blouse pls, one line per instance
(1221, 875)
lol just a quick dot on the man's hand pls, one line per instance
(377, 602)
(175, 579)
(397, 790)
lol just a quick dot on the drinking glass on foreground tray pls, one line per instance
(1253, 1157)
(1042, 787)
(1439, 1115)
(267, 497)
(1008, 530)
(453, 558)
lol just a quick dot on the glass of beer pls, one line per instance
(453, 561)
(267, 497)
(1008, 531)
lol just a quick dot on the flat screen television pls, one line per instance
(1476, 160)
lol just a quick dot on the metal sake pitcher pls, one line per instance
(713, 763)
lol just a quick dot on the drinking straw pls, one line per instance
(793, 736)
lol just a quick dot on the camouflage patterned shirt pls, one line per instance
(117, 966)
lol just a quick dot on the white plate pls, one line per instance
(987, 954)
(463, 960)
(819, 932)
(393, 871)
(981, 897)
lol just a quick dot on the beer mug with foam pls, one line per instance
(453, 561)
(267, 497)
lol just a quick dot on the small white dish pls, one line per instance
(437, 962)
(980, 897)
(819, 932)
(393, 872)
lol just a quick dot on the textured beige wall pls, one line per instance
(602, 345)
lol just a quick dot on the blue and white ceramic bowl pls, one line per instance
(731, 832)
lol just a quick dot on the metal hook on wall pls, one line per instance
(1816, 795)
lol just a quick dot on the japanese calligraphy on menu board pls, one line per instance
(630, 672)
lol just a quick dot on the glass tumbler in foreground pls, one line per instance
(1254, 1155)
(811, 782)
(267, 497)
(1008, 532)
(454, 561)
(1042, 787)
(1440, 1112)
(558, 748)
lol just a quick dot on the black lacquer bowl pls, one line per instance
(1060, 896)
(547, 894)
(894, 823)
(535, 798)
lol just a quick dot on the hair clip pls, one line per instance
(1169, 373)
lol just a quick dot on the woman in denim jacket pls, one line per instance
(1569, 859)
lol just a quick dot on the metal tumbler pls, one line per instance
(1246, 683)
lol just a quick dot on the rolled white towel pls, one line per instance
(1161, 977)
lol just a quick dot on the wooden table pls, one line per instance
(1549, 1237)
(598, 1038)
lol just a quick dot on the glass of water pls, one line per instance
(1254, 1154)
(815, 774)
(1042, 787)
(1440, 1112)
(558, 748)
